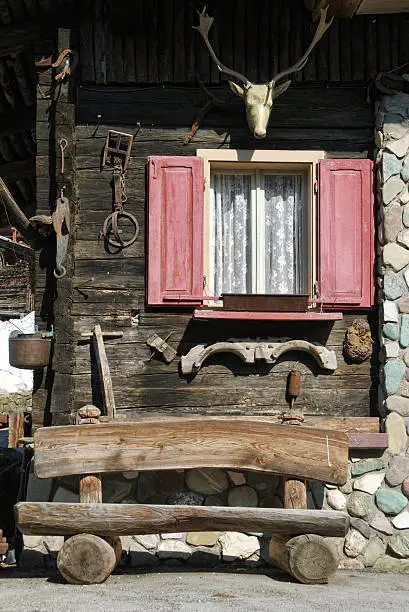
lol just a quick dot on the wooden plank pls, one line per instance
(192, 443)
(208, 313)
(104, 373)
(140, 44)
(44, 518)
(368, 440)
(334, 107)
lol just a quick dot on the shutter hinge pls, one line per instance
(204, 184)
(316, 187)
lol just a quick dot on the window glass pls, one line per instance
(259, 233)
(286, 240)
(232, 240)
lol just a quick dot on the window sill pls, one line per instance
(208, 313)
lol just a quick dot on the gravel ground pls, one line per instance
(177, 590)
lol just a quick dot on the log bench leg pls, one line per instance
(86, 559)
(309, 558)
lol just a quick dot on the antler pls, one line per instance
(320, 31)
(204, 26)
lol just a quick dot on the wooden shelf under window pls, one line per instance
(212, 313)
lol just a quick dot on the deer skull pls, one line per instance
(258, 97)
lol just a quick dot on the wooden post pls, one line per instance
(86, 558)
(16, 428)
(90, 485)
(104, 373)
(309, 558)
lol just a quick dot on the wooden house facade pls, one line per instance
(228, 261)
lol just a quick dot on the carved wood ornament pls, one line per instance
(250, 352)
(258, 97)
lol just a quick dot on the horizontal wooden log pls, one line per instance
(331, 106)
(43, 518)
(188, 442)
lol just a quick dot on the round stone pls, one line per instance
(375, 549)
(399, 404)
(401, 521)
(336, 500)
(243, 496)
(393, 285)
(399, 543)
(392, 222)
(207, 481)
(360, 505)
(396, 430)
(405, 487)
(355, 542)
(391, 165)
(391, 331)
(392, 188)
(369, 483)
(397, 471)
(404, 330)
(405, 169)
(390, 502)
(394, 371)
(367, 465)
(395, 256)
(185, 498)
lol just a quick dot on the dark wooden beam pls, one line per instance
(47, 518)
(15, 171)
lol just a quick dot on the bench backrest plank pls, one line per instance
(192, 442)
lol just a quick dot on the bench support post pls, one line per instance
(309, 558)
(86, 558)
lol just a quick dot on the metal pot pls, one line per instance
(29, 351)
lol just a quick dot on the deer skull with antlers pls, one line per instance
(258, 97)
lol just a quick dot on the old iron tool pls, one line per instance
(117, 152)
(61, 225)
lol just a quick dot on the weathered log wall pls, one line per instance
(153, 42)
(109, 287)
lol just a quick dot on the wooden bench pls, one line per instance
(246, 443)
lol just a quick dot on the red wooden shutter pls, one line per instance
(175, 231)
(346, 233)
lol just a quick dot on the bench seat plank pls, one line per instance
(50, 518)
(192, 442)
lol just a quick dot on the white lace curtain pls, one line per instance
(278, 207)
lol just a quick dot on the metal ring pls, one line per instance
(111, 224)
(61, 273)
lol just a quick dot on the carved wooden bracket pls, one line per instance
(250, 352)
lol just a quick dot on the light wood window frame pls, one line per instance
(237, 160)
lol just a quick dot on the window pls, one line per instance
(273, 222)
(258, 232)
